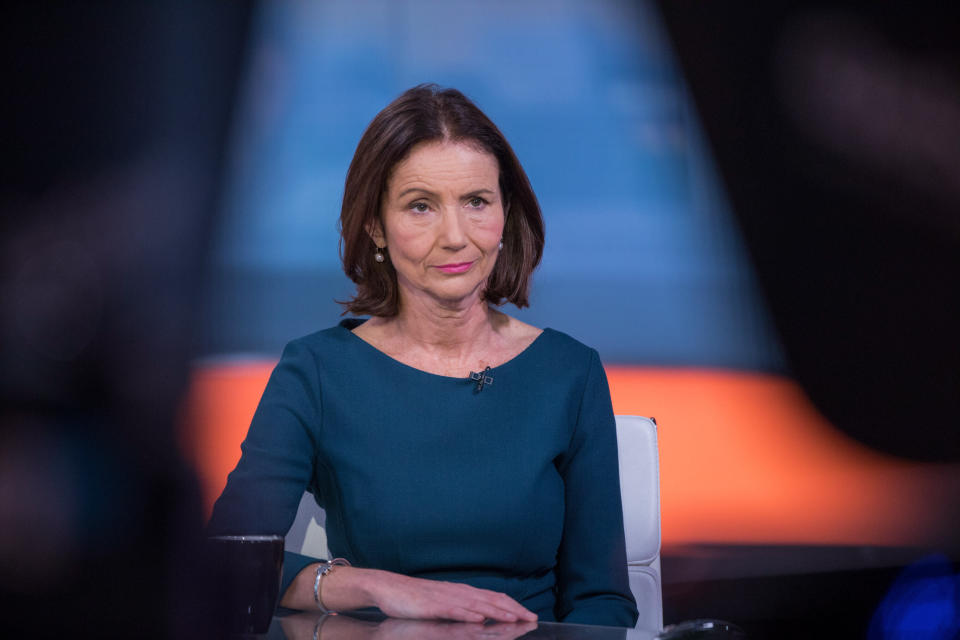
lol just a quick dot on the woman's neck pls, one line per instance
(448, 340)
(449, 331)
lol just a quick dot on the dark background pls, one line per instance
(834, 129)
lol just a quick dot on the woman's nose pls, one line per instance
(452, 235)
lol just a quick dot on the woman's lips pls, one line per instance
(458, 267)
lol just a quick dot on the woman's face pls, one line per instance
(442, 222)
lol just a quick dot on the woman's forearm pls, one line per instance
(343, 589)
(348, 588)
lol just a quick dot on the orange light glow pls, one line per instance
(744, 458)
(220, 404)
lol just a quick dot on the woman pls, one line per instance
(466, 460)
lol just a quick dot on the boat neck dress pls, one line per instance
(512, 487)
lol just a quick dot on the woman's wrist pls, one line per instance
(323, 570)
(349, 588)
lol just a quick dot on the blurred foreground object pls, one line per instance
(114, 125)
(836, 128)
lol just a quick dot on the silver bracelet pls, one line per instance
(323, 569)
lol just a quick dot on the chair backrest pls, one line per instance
(640, 494)
(307, 534)
(640, 491)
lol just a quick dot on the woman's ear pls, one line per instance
(375, 230)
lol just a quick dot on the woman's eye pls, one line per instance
(477, 202)
(419, 207)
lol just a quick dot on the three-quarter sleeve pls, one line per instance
(593, 587)
(263, 492)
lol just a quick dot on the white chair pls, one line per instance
(307, 534)
(640, 494)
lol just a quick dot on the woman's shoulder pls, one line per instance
(327, 342)
(516, 331)
(555, 343)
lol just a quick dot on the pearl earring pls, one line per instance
(378, 256)
(501, 245)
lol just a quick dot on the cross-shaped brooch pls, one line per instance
(482, 378)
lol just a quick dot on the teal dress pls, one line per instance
(513, 487)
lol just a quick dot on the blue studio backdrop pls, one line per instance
(643, 260)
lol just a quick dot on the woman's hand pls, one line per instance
(401, 596)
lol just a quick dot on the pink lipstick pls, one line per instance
(458, 267)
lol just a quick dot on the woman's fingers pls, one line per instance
(492, 605)
(407, 597)
(492, 612)
(509, 604)
(463, 614)
(495, 608)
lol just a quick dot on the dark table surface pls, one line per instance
(307, 626)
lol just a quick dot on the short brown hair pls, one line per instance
(422, 114)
